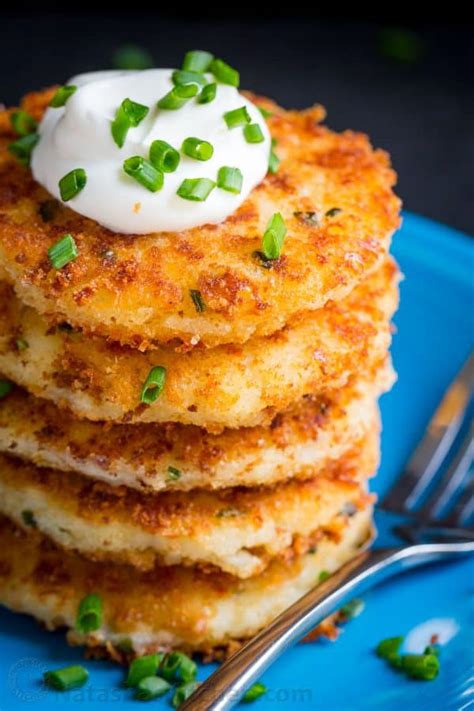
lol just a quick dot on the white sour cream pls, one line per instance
(79, 136)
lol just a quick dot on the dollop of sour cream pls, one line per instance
(78, 135)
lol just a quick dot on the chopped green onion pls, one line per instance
(5, 387)
(23, 147)
(183, 693)
(197, 60)
(308, 218)
(273, 160)
(173, 474)
(22, 123)
(48, 210)
(131, 56)
(144, 173)
(420, 666)
(128, 115)
(265, 112)
(333, 212)
(237, 117)
(196, 189)
(389, 648)
(230, 179)
(255, 692)
(198, 302)
(62, 95)
(164, 157)
(224, 72)
(273, 237)
(178, 666)
(180, 76)
(264, 261)
(125, 645)
(89, 615)
(151, 687)
(352, 609)
(66, 678)
(142, 667)
(21, 344)
(28, 518)
(197, 148)
(432, 649)
(323, 575)
(208, 94)
(63, 252)
(178, 96)
(253, 133)
(153, 385)
(72, 184)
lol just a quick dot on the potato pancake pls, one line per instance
(164, 608)
(333, 190)
(236, 530)
(157, 457)
(227, 386)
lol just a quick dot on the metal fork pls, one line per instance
(429, 534)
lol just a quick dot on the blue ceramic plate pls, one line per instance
(435, 328)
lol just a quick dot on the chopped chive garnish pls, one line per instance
(253, 133)
(142, 667)
(198, 302)
(164, 157)
(89, 615)
(196, 189)
(63, 252)
(62, 95)
(265, 112)
(308, 218)
(197, 60)
(72, 184)
(181, 76)
(28, 518)
(67, 678)
(273, 237)
(420, 666)
(273, 160)
(178, 666)
(48, 210)
(262, 259)
(432, 649)
(333, 212)
(153, 385)
(254, 693)
(21, 344)
(237, 117)
(131, 56)
(323, 575)
(128, 115)
(197, 148)
(224, 72)
(151, 687)
(178, 96)
(208, 94)
(182, 693)
(5, 387)
(230, 179)
(352, 609)
(389, 648)
(23, 148)
(173, 474)
(22, 123)
(144, 173)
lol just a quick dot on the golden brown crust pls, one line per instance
(136, 289)
(227, 386)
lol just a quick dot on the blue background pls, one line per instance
(435, 333)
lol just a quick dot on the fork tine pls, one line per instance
(451, 481)
(464, 507)
(433, 448)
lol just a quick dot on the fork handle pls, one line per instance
(225, 687)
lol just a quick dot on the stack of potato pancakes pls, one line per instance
(188, 428)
